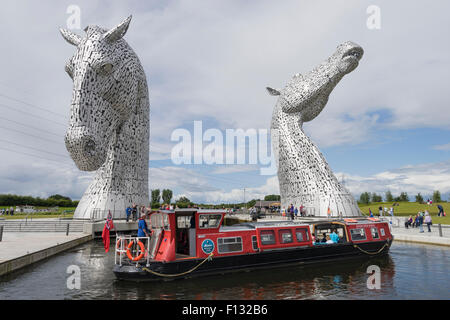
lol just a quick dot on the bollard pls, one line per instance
(67, 230)
(1, 233)
(440, 230)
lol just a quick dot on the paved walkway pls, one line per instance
(414, 235)
(18, 249)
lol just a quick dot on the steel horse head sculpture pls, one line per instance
(109, 120)
(304, 175)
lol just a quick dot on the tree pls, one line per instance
(156, 198)
(59, 197)
(419, 198)
(252, 203)
(364, 198)
(403, 197)
(437, 196)
(183, 202)
(389, 197)
(167, 195)
(272, 197)
(376, 198)
(54, 200)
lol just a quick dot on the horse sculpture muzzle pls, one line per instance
(87, 153)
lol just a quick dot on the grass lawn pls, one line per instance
(54, 214)
(410, 208)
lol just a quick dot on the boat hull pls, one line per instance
(179, 269)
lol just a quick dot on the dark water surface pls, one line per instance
(410, 271)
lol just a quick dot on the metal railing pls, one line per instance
(63, 214)
(100, 214)
(121, 248)
(31, 217)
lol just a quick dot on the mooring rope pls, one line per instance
(368, 252)
(208, 258)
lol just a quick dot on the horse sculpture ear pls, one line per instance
(70, 37)
(273, 91)
(118, 32)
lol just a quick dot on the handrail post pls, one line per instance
(1, 233)
(440, 230)
(67, 230)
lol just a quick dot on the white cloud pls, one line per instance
(236, 195)
(171, 177)
(424, 178)
(39, 179)
(214, 61)
(443, 147)
(226, 169)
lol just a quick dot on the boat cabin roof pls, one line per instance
(271, 224)
(189, 211)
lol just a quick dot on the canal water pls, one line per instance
(410, 271)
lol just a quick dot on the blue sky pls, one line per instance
(386, 125)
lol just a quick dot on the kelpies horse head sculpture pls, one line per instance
(109, 120)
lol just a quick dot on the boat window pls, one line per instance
(382, 232)
(183, 222)
(166, 221)
(226, 245)
(267, 237)
(301, 234)
(285, 236)
(156, 220)
(207, 221)
(374, 232)
(254, 243)
(159, 220)
(358, 234)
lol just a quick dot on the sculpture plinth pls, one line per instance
(109, 123)
(304, 176)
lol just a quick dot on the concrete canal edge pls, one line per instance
(27, 259)
(440, 241)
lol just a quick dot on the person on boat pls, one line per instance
(334, 236)
(370, 213)
(142, 227)
(329, 241)
(317, 240)
(324, 239)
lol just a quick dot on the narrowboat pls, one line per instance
(190, 242)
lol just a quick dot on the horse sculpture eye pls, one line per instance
(106, 68)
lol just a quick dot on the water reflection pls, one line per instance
(408, 272)
(331, 280)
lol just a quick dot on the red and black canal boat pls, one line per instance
(189, 242)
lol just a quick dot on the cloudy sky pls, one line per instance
(385, 127)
